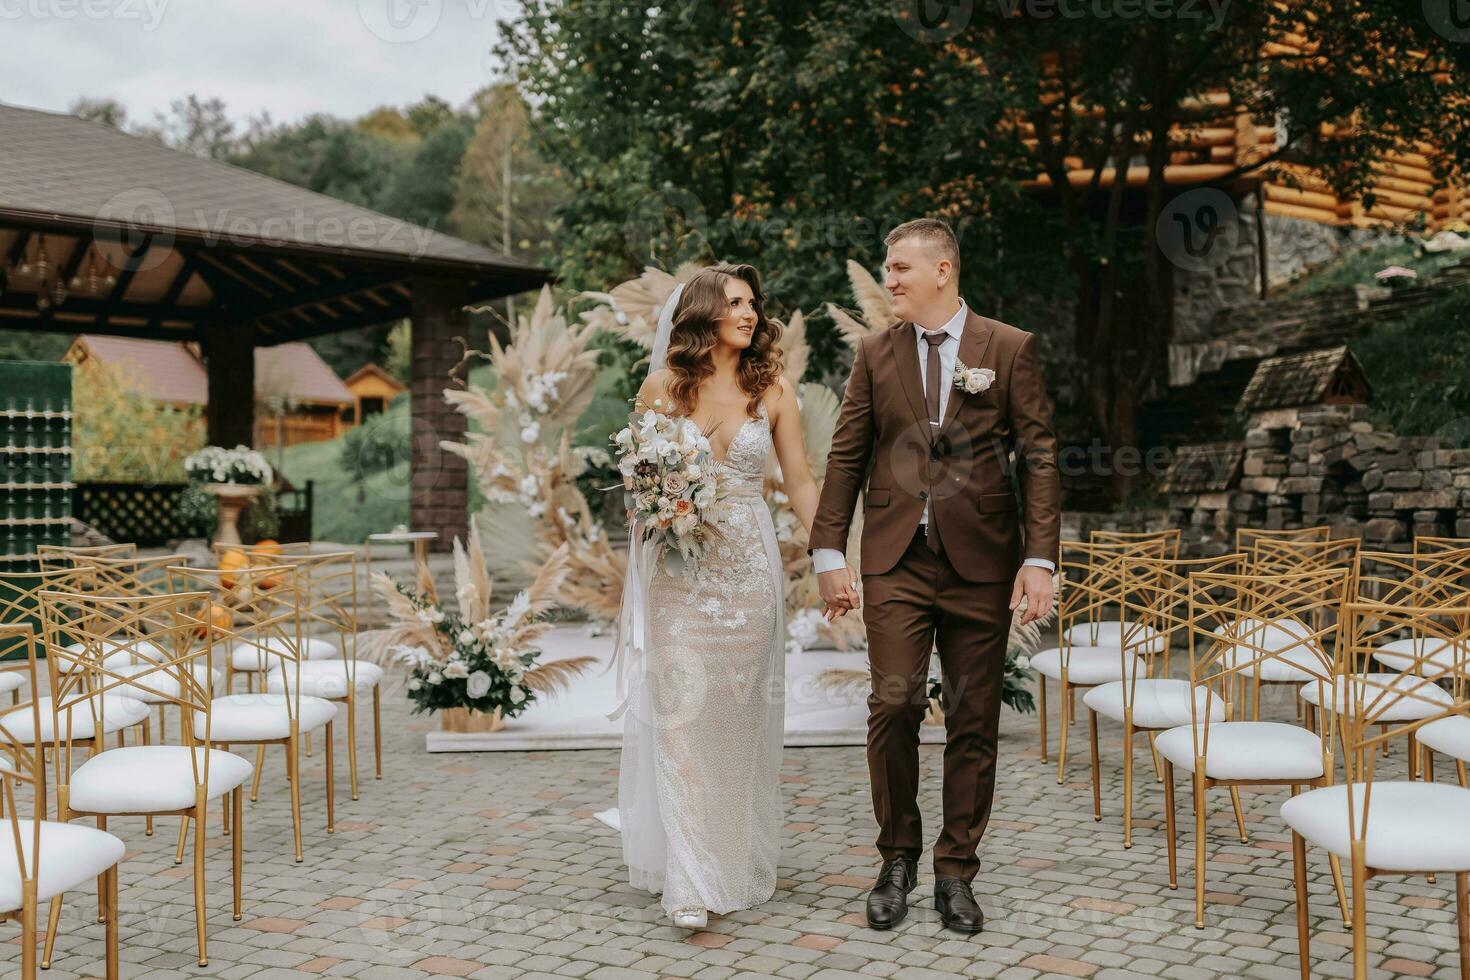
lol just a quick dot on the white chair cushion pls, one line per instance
(250, 657)
(1298, 659)
(71, 855)
(11, 680)
(1086, 666)
(160, 681)
(1386, 697)
(1400, 654)
(1448, 735)
(326, 678)
(151, 779)
(1411, 826)
(257, 717)
(1110, 633)
(1157, 703)
(1246, 750)
(117, 713)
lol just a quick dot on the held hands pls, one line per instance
(839, 592)
(1035, 584)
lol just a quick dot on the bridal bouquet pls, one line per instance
(668, 485)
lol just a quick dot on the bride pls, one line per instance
(699, 801)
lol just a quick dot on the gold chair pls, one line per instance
(1263, 619)
(266, 609)
(1155, 596)
(44, 858)
(171, 635)
(1091, 586)
(20, 605)
(330, 667)
(1383, 826)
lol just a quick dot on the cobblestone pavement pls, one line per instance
(493, 865)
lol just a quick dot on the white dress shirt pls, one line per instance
(830, 559)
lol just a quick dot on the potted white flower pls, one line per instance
(234, 477)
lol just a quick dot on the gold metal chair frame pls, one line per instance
(329, 585)
(27, 766)
(270, 621)
(1367, 623)
(1091, 581)
(1154, 591)
(1265, 601)
(177, 625)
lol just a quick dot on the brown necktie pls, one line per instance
(931, 401)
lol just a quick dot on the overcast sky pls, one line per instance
(290, 57)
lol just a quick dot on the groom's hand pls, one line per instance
(1034, 583)
(838, 589)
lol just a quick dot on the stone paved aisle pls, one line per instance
(493, 866)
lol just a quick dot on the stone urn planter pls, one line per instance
(466, 721)
(233, 498)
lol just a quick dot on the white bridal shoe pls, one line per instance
(695, 918)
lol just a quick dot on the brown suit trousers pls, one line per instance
(920, 600)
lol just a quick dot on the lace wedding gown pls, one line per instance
(699, 800)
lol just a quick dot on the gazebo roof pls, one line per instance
(152, 242)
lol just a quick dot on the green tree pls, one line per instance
(791, 134)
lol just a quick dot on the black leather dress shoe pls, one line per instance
(888, 901)
(956, 905)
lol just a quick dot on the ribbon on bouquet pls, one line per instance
(631, 649)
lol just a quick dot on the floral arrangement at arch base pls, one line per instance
(478, 667)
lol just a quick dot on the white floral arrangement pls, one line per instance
(972, 381)
(468, 657)
(216, 464)
(669, 485)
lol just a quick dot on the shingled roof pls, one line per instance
(1206, 468)
(1331, 375)
(66, 166)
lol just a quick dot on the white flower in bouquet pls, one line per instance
(415, 684)
(517, 694)
(675, 484)
(531, 432)
(435, 678)
(478, 684)
(528, 486)
(466, 636)
(456, 669)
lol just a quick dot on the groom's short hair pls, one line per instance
(935, 233)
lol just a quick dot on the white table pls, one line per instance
(420, 541)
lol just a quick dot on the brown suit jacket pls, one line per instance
(884, 443)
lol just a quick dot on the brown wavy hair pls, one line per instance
(696, 329)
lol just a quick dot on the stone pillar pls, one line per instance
(439, 479)
(229, 355)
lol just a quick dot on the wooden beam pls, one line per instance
(18, 247)
(181, 280)
(101, 309)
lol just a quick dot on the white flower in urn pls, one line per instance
(972, 381)
(456, 669)
(517, 695)
(478, 684)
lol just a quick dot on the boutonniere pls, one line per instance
(970, 380)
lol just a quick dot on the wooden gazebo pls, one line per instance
(102, 232)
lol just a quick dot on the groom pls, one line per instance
(931, 411)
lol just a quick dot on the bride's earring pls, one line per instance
(694, 918)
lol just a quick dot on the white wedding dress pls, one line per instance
(699, 798)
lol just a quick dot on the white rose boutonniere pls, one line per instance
(972, 381)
